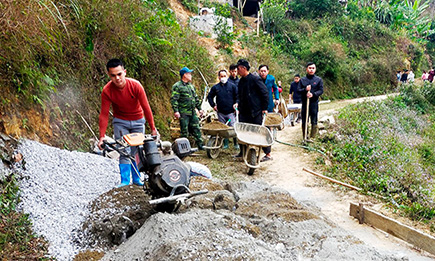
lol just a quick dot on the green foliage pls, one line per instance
(16, 237)
(386, 148)
(225, 37)
(223, 10)
(315, 8)
(420, 98)
(52, 48)
(191, 5)
(353, 51)
(407, 15)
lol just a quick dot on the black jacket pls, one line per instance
(226, 95)
(234, 81)
(297, 98)
(253, 96)
(316, 87)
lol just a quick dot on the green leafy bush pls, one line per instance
(386, 148)
(17, 240)
(315, 8)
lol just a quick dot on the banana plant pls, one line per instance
(405, 14)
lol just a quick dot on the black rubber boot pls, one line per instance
(236, 144)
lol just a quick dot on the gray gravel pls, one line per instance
(56, 187)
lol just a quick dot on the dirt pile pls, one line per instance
(114, 216)
(215, 125)
(241, 221)
(273, 119)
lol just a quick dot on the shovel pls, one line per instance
(306, 121)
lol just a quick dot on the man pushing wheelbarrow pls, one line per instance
(311, 87)
(254, 100)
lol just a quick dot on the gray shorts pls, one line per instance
(122, 127)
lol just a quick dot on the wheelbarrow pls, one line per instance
(275, 126)
(254, 137)
(215, 139)
(294, 109)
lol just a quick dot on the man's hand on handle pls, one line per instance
(100, 143)
(177, 115)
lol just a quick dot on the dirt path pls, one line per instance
(285, 171)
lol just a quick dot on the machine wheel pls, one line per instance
(212, 153)
(252, 160)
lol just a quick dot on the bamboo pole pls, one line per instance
(331, 179)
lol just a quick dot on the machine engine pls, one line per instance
(167, 173)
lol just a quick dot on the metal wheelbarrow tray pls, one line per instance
(224, 133)
(253, 134)
(254, 137)
(279, 126)
(215, 139)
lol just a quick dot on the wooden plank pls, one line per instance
(393, 227)
(331, 179)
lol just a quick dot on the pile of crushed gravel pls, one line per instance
(56, 188)
(246, 221)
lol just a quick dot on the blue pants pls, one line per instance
(225, 117)
(122, 127)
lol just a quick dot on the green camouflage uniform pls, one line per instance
(184, 100)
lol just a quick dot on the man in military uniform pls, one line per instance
(184, 101)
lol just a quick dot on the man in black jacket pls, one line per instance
(295, 97)
(253, 100)
(226, 100)
(233, 75)
(311, 87)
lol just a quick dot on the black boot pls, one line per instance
(236, 144)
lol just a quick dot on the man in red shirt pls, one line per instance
(130, 105)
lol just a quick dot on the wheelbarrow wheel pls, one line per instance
(212, 153)
(252, 160)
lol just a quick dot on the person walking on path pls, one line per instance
(130, 105)
(226, 95)
(253, 100)
(272, 88)
(184, 101)
(431, 75)
(295, 96)
(310, 87)
(233, 75)
(411, 76)
(424, 76)
(404, 77)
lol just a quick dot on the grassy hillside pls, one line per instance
(388, 148)
(53, 55)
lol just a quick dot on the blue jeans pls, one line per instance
(122, 127)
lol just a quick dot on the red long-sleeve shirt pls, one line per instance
(129, 103)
